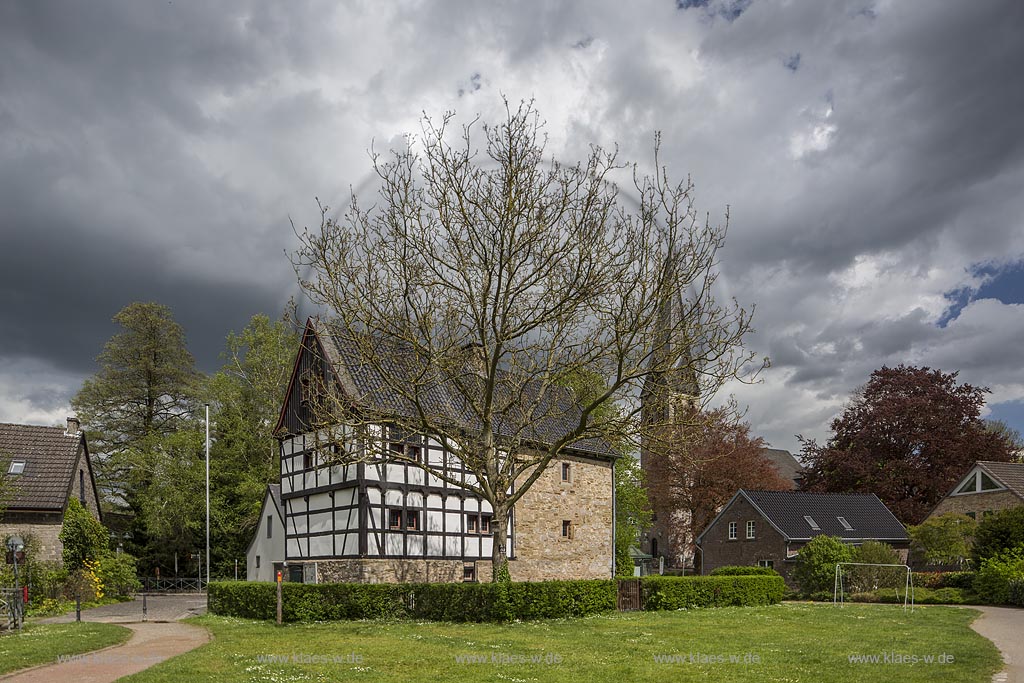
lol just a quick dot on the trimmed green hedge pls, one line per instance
(743, 570)
(432, 601)
(481, 601)
(682, 592)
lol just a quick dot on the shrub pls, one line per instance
(816, 569)
(945, 539)
(1001, 531)
(83, 536)
(664, 592)
(1016, 592)
(118, 574)
(863, 579)
(992, 581)
(743, 570)
(922, 596)
(962, 580)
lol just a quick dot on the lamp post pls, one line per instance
(16, 544)
(207, 495)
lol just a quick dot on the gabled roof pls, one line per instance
(785, 510)
(50, 455)
(1009, 474)
(273, 495)
(370, 387)
(788, 467)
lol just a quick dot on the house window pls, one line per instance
(471, 524)
(565, 471)
(478, 524)
(257, 562)
(270, 526)
(750, 529)
(485, 524)
(846, 525)
(566, 528)
(972, 514)
(307, 460)
(469, 572)
(733, 531)
(810, 522)
(412, 520)
(394, 519)
(17, 467)
(770, 564)
(402, 444)
(987, 484)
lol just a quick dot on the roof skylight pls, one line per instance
(812, 523)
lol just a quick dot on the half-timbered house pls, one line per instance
(373, 519)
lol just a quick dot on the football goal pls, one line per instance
(859, 577)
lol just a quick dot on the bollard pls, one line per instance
(145, 609)
(78, 608)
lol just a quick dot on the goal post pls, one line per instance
(906, 578)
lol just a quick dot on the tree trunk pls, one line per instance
(499, 551)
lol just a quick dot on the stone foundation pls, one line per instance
(397, 571)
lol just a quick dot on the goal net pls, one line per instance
(864, 577)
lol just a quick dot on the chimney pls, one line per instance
(73, 425)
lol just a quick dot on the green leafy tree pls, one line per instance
(632, 512)
(1002, 530)
(144, 391)
(996, 572)
(245, 399)
(816, 568)
(945, 539)
(907, 436)
(84, 537)
(862, 579)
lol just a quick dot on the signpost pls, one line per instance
(279, 572)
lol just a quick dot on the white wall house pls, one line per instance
(266, 549)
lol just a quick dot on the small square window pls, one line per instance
(565, 471)
(394, 519)
(733, 530)
(412, 520)
(485, 524)
(471, 524)
(17, 467)
(750, 529)
(770, 564)
(566, 528)
(469, 572)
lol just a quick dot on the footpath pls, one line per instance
(1003, 626)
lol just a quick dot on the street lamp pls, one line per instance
(207, 497)
(16, 545)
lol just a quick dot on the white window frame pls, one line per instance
(751, 529)
(733, 531)
(16, 467)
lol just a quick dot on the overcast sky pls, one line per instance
(871, 154)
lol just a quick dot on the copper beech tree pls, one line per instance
(907, 436)
(502, 274)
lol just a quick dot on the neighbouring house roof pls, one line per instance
(50, 455)
(371, 387)
(866, 515)
(1009, 474)
(273, 494)
(785, 464)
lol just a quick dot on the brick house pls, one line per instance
(986, 488)
(768, 528)
(372, 519)
(45, 467)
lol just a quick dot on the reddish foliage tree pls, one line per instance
(710, 456)
(907, 436)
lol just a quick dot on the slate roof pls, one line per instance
(275, 493)
(369, 386)
(785, 510)
(50, 456)
(1009, 474)
(785, 464)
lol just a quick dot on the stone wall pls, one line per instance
(45, 534)
(541, 551)
(978, 503)
(396, 571)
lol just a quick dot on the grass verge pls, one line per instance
(793, 642)
(44, 643)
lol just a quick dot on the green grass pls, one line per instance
(793, 642)
(43, 643)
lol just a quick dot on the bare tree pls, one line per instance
(497, 278)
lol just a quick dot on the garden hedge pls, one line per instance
(481, 601)
(683, 592)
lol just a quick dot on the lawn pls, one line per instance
(793, 642)
(44, 643)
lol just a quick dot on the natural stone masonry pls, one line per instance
(978, 503)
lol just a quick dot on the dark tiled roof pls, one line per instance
(1009, 474)
(866, 514)
(551, 416)
(785, 464)
(50, 455)
(275, 493)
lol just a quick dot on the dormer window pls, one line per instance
(810, 521)
(17, 467)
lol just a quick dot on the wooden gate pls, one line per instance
(630, 596)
